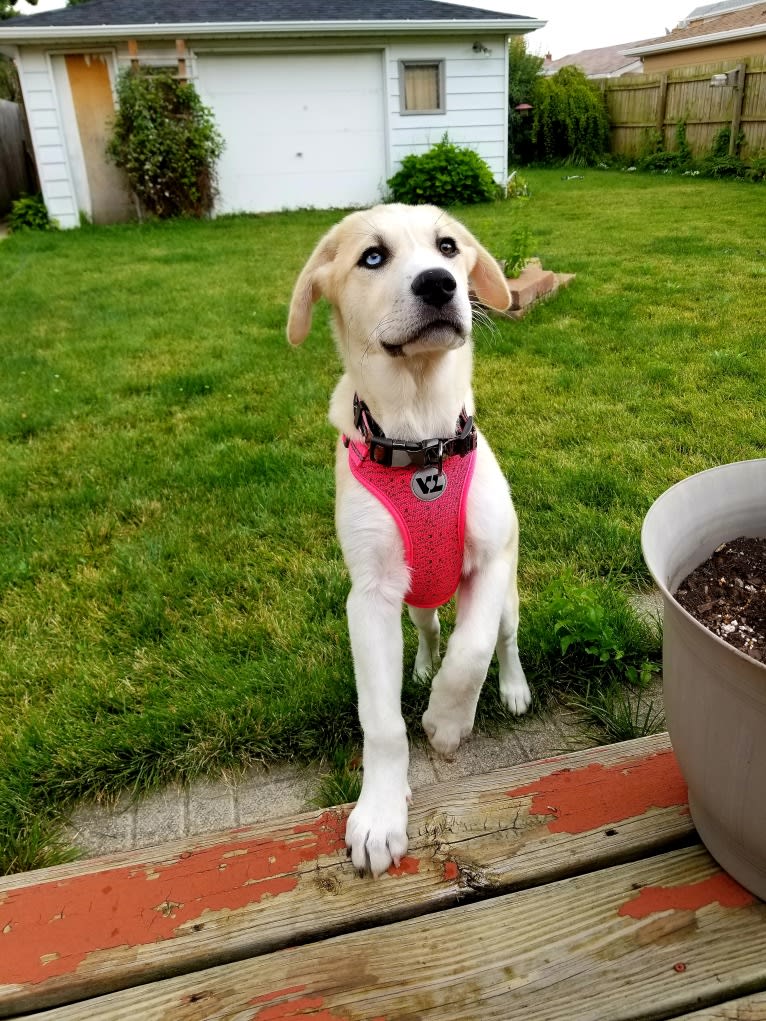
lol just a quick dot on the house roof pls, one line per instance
(121, 17)
(708, 25)
(606, 60)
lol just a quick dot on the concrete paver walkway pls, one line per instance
(268, 793)
(261, 794)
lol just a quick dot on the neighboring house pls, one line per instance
(318, 100)
(720, 31)
(605, 62)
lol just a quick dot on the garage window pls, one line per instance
(421, 86)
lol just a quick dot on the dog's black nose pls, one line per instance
(435, 286)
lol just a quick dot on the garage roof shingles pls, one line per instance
(171, 12)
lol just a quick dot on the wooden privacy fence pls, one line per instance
(14, 169)
(643, 105)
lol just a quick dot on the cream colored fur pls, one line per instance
(413, 370)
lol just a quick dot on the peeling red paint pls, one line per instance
(288, 1010)
(134, 906)
(718, 889)
(407, 867)
(585, 799)
(450, 871)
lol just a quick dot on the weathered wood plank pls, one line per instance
(635, 942)
(750, 1008)
(82, 930)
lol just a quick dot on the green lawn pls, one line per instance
(172, 595)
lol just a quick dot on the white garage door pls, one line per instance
(300, 129)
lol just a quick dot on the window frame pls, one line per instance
(404, 65)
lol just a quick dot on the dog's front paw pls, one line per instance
(376, 833)
(515, 694)
(445, 733)
(426, 664)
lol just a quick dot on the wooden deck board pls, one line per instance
(636, 942)
(749, 1008)
(86, 929)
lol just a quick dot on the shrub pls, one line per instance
(570, 122)
(718, 162)
(29, 213)
(523, 70)
(166, 141)
(757, 169)
(660, 161)
(446, 175)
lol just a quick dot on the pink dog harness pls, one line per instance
(424, 486)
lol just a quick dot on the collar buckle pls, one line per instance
(393, 453)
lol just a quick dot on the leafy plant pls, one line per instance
(660, 161)
(570, 123)
(756, 171)
(29, 213)
(654, 157)
(519, 251)
(517, 186)
(166, 141)
(590, 636)
(446, 175)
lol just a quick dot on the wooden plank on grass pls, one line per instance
(85, 929)
(635, 942)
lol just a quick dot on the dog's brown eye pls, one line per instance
(447, 246)
(373, 258)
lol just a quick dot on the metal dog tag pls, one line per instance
(428, 484)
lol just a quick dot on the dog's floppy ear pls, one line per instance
(486, 276)
(489, 281)
(309, 288)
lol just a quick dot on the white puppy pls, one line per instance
(398, 280)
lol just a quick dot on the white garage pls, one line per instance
(303, 131)
(317, 102)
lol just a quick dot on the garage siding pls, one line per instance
(476, 101)
(304, 127)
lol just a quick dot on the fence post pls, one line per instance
(659, 113)
(736, 116)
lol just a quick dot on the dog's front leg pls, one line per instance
(376, 833)
(456, 687)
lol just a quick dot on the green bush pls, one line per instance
(570, 123)
(446, 175)
(166, 141)
(29, 213)
(718, 162)
(757, 169)
(660, 161)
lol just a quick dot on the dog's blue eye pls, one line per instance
(447, 246)
(373, 258)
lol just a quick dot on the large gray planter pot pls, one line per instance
(715, 696)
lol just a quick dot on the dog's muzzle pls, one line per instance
(434, 286)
